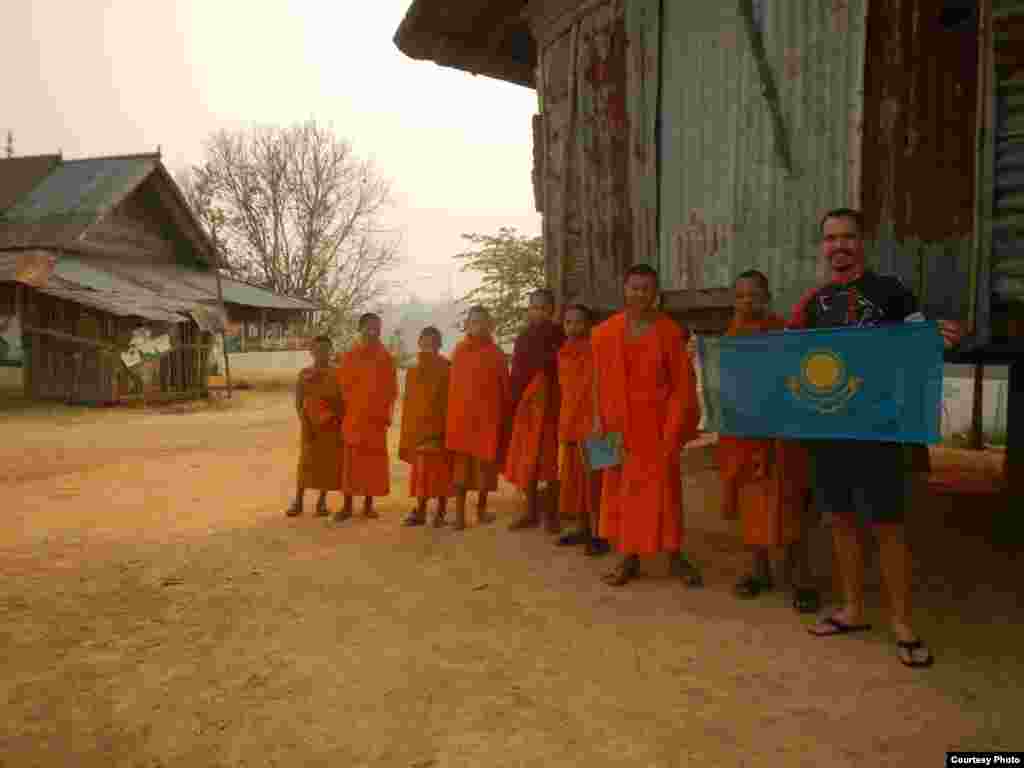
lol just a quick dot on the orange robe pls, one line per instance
(579, 489)
(769, 478)
(424, 413)
(320, 447)
(477, 389)
(369, 385)
(534, 402)
(647, 391)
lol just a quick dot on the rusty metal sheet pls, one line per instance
(727, 204)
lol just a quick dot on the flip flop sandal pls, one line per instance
(911, 646)
(322, 511)
(623, 573)
(687, 571)
(293, 511)
(572, 539)
(751, 587)
(341, 516)
(485, 518)
(414, 520)
(597, 548)
(806, 600)
(439, 520)
(837, 627)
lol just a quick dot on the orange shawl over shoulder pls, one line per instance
(369, 385)
(477, 391)
(425, 406)
(576, 380)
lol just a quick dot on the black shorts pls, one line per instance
(867, 479)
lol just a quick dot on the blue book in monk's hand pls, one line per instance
(604, 452)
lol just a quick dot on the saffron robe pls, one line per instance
(647, 391)
(320, 448)
(768, 478)
(369, 385)
(534, 399)
(424, 414)
(579, 488)
(477, 391)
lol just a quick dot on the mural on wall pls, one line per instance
(11, 350)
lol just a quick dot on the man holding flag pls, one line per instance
(855, 478)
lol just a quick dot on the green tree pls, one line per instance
(511, 266)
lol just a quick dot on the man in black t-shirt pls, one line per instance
(861, 482)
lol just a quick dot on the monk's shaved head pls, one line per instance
(480, 310)
(755, 276)
(432, 333)
(366, 318)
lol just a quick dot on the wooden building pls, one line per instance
(107, 282)
(708, 138)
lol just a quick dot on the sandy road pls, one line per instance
(156, 609)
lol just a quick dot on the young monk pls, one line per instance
(424, 413)
(533, 402)
(579, 487)
(765, 482)
(369, 385)
(477, 391)
(319, 405)
(647, 392)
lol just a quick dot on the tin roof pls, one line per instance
(78, 192)
(18, 175)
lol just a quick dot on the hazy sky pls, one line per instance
(97, 78)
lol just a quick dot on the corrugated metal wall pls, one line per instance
(727, 202)
(1008, 202)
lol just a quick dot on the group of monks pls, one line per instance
(590, 424)
(466, 421)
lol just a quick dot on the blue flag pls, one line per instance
(882, 383)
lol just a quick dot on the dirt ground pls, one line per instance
(157, 609)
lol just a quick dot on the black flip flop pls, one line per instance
(910, 647)
(752, 586)
(572, 539)
(414, 520)
(806, 600)
(838, 627)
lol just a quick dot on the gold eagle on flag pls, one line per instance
(824, 383)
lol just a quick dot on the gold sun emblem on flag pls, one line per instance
(823, 382)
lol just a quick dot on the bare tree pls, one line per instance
(294, 210)
(9, 149)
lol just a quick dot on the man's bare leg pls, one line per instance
(530, 518)
(759, 579)
(553, 520)
(368, 511)
(418, 516)
(460, 510)
(850, 559)
(296, 508)
(894, 559)
(345, 512)
(482, 513)
(442, 510)
(321, 505)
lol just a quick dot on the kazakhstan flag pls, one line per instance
(882, 383)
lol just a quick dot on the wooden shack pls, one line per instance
(107, 280)
(709, 138)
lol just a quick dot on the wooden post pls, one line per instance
(224, 332)
(977, 441)
(263, 327)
